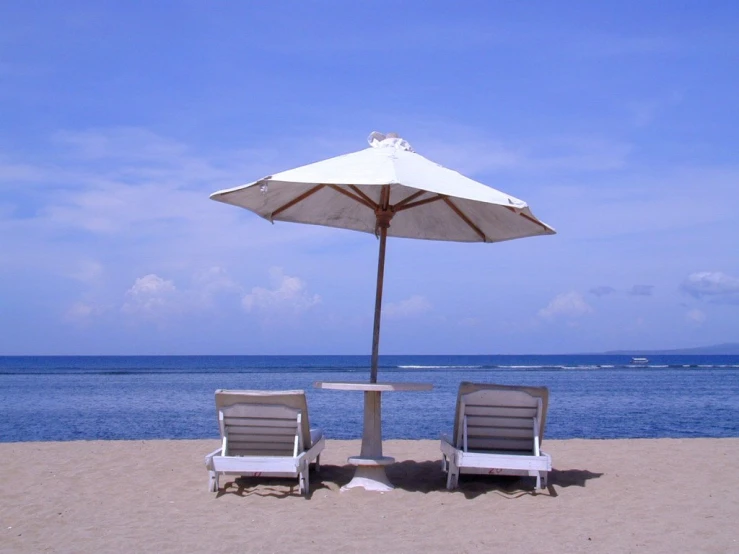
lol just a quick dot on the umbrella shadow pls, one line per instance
(427, 476)
(411, 476)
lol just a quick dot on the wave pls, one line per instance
(360, 370)
(443, 366)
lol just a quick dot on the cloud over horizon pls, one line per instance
(410, 307)
(150, 296)
(712, 286)
(288, 294)
(569, 305)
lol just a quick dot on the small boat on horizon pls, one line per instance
(639, 361)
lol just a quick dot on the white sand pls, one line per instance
(151, 496)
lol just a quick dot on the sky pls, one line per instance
(617, 122)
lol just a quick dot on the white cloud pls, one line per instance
(696, 316)
(714, 286)
(288, 294)
(410, 307)
(567, 305)
(214, 280)
(154, 296)
(83, 311)
(150, 295)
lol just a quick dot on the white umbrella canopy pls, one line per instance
(388, 190)
(424, 199)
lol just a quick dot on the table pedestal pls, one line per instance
(370, 473)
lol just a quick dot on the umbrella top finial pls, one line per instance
(392, 140)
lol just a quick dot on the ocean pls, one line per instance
(171, 397)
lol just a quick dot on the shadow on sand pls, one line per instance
(421, 477)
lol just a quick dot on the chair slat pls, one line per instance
(503, 432)
(513, 422)
(262, 421)
(262, 411)
(512, 399)
(258, 449)
(498, 443)
(279, 442)
(500, 411)
(242, 430)
(239, 446)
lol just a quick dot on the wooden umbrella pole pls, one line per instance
(383, 214)
(378, 305)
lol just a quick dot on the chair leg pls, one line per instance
(303, 482)
(212, 481)
(444, 464)
(452, 477)
(318, 463)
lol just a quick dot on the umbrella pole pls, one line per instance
(378, 302)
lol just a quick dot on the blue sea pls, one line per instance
(158, 397)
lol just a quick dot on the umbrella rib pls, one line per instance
(531, 219)
(408, 199)
(295, 200)
(464, 218)
(371, 202)
(419, 203)
(354, 197)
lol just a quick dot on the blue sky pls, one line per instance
(616, 121)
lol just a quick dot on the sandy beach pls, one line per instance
(661, 495)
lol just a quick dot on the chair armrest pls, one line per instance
(447, 447)
(209, 458)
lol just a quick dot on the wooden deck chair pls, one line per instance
(498, 430)
(264, 434)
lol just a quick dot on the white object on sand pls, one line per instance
(264, 434)
(498, 431)
(370, 473)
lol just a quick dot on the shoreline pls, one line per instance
(605, 495)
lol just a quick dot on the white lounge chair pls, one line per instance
(265, 434)
(498, 431)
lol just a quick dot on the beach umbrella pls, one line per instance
(388, 190)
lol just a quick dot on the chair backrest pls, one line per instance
(499, 417)
(260, 430)
(291, 403)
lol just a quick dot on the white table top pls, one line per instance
(378, 387)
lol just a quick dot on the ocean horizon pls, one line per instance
(597, 396)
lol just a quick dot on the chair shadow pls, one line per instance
(511, 486)
(277, 487)
(411, 476)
